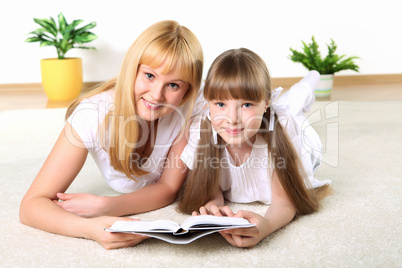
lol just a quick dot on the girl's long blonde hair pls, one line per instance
(242, 74)
(165, 42)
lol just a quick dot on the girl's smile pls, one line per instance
(234, 131)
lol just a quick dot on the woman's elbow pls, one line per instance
(22, 212)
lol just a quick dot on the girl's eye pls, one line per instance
(149, 76)
(173, 85)
(247, 105)
(220, 104)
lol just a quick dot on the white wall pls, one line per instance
(365, 28)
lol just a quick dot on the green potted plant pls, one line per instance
(61, 76)
(311, 58)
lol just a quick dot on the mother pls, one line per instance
(129, 125)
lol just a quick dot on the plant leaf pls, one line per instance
(85, 37)
(93, 48)
(85, 28)
(41, 33)
(69, 30)
(46, 43)
(62, 22)
(47, 25)
(33, 39)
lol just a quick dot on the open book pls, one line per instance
(191, 229)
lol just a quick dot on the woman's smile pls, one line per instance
(152, 106)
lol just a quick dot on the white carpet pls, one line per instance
(358, 226)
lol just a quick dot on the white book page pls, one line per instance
(178, 239)
(213, 222)
(145, 226)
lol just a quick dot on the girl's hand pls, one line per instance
(214, 210)
(83, 204)
(241, 237)
(248, 237)
(112, 240)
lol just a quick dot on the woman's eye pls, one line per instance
(149, 76)
(247, 105)
(173, 85)
(220, 104)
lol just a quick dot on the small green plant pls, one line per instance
(63, 36)
(311, 58)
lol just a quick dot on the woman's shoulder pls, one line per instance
(96, 105)
(102, 97)
(90, 113)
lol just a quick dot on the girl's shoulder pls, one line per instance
(260, 142)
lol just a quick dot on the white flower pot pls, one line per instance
(324, 86)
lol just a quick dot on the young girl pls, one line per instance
(128, 125)
(252, 147)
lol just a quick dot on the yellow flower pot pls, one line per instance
(62, 78)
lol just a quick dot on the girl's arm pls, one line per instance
(217, 200)
(58, 172)
(279, 213)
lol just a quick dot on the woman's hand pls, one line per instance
(248, 237)
(83, 204)
(112, 240)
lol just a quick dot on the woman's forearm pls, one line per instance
(148, 198)
(42, 213)
(156, 195)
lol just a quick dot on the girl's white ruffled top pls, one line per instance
(251, 181)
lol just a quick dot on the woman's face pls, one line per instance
(157, 94)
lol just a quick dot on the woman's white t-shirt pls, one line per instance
(87, 120)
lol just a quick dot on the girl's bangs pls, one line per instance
(234, 85)
(238, 74)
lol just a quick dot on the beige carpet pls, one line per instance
(358, 226)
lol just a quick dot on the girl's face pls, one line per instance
(157, 94)
(237, 121)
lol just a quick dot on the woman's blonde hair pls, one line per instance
(165, 42)
(242, 74)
